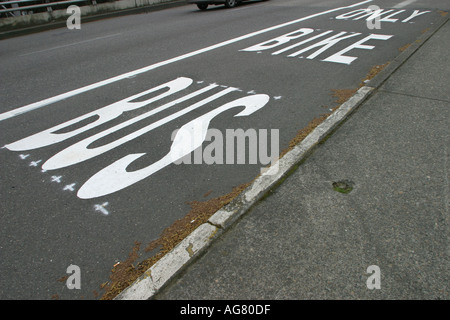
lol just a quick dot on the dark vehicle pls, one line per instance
(203, 4)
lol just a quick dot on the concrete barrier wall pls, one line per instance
(59, 15)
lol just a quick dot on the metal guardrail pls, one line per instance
(41, 4)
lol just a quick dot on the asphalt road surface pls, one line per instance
(88, 120)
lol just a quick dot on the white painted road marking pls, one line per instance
(404, 4)
(45, 102)
(323, 45)
(34, 163)
(105, 114)
(80, 151)
(70, 187)
(189, 137)
(70, 44)
(369, 15)
(56, 179)
(101, 208)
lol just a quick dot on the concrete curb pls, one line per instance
(187, 251)
(380, 78)
(165, 269)
(172, 263)
(16, 26)
(162, 271)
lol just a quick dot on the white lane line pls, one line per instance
(70, 44)
(403, 4)
(45, 102)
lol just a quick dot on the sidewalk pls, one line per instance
(308, 241)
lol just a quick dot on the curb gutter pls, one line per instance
(189, 249)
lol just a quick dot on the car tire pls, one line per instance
(230, 3)
(202, 6)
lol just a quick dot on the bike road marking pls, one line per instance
(66, 95)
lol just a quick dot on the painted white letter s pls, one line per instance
(115, 177)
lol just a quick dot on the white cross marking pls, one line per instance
(34, 163)
(56, 179)
(101, 208)
(70, 187)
